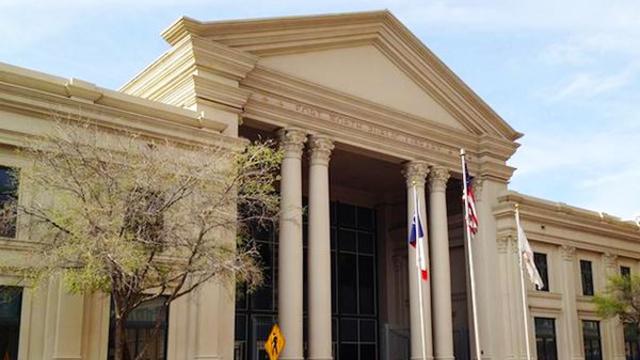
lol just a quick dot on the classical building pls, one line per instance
(363, 111)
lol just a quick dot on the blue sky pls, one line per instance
(565, 73)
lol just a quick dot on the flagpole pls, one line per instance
(472, 280)
(418, 249)
(523, 290)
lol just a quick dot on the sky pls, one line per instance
(566, 73)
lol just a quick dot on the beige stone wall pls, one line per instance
(566, 235)
(53, 323)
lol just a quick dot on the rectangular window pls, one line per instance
(625, 271)
(546, 338)
(541, 263)
(10, 307)
(8, 198)
(586, 273)
(591, 339)
(140, 330)
(631, 343)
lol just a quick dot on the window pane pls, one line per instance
(365, 219)
(587, 277)
(368, 330)
(591, 337)
(347, 240)
(366, 287)
(347, 283)
(545, 338)
(10, 306)
(625, 271)
(365, 242)
(349, 330)
(348, 351)
(541, 263)
(347, 215)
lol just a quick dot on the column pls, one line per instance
(415, 173)
(572, 324)
(613, 339)
(290, 243)
(319, 250)
(440, 273)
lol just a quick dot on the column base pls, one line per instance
(420, 358)
(445, 358)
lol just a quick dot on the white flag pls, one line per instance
(527, 255)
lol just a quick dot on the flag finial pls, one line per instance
(462, 152)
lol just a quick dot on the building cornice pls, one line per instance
(49, 97)
(586, 229)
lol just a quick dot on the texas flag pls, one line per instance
(416, 238)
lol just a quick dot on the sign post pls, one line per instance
(275, 343)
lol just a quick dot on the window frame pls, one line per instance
(589, 341)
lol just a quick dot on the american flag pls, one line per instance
(470, 201)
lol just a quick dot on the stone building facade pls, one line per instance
(364, 112)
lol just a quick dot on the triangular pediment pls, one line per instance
(370, 56)
(366, 73)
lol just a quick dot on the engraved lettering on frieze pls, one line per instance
(354, 124)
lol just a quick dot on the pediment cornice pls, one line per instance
(278, 36)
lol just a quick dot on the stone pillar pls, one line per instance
(613, 328)
(440, 273)
(415, 172)
(319, 250)
(290, 285)
(572, 324)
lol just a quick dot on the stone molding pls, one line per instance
(292, 142)
(502, 243)
(415, 173)
(320, 147)
(438, 177)
(568, 252)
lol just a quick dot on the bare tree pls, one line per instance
(143, 219)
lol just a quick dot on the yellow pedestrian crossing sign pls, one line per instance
(275, 343)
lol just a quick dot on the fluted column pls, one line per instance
(319, 250)
(290, 283)
(440, 273)
(572, 324)
(415, 173)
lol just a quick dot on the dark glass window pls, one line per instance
(631, 343)
(10, 307)
(140, 331)
(625, 271)
(591, 339)
(355, 334)
(8, 198)
(546, 338)
(586, 274)
(541, 264)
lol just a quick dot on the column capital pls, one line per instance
(610, 260)
(438, 178)
(292, 141)
(415, 172)
(568, 252)
(321, 147)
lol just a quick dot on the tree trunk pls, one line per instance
(120, 339)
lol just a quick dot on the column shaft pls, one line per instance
(290, 285)
(415, 173)
(441, 277)
(319, 250)
(572, 323)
